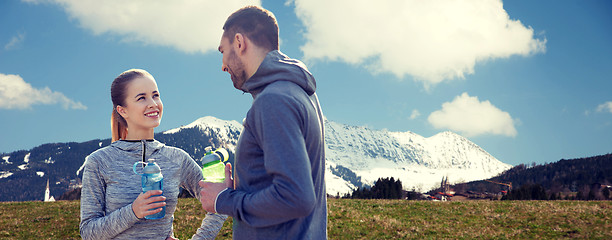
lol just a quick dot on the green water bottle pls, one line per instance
(213, 164)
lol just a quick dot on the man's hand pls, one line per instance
(210, 190)
(146, 205)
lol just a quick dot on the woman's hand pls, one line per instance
(146, 205)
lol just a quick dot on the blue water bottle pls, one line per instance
(152, 179)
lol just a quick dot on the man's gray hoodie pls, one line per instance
(280, 157)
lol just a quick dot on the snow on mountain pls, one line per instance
(211, 123)
(359, 155)
(419, 162)
(6, 159)
(5, 174)
(225, 131)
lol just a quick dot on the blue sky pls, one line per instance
(528, 81)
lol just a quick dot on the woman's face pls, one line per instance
(143, 106)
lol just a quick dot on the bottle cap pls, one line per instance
(223, 154)
(151, 167)
(220, 154)
(210, 158)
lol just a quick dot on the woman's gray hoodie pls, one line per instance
(110, 187)
(280, 157)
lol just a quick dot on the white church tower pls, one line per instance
(48, 193)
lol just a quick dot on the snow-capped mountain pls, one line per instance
(355, 156)
(226, 132)
(359, 155)
(419, 162)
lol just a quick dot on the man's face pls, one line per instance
(232, 64)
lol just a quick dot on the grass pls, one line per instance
(392, 219)
(364, 219)
(39, 220)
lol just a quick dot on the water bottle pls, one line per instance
(152, 179)
(213, 164)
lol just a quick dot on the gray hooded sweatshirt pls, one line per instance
(280, 157)
(110, 187)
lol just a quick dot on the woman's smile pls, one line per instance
(153, 114)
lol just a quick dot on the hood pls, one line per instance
(277, 66)
(135, 147)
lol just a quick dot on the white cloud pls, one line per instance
(15, 42)
(607, 107)
(472, 117)
(187, 25)
(415, 114)
(432, 41)
(15, 93)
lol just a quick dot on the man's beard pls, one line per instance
(237, 72)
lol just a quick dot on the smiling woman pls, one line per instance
(112, 196)
(136, 104)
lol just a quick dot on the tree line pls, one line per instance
(384, 188)
(538, 192)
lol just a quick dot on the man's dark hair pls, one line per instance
(256, 23)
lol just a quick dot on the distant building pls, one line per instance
(443, 196)
(48, 197)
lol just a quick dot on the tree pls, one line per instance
(384, 188)
(527, 192)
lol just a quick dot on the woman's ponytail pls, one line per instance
(118, 126)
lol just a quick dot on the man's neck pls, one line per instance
(254, 60)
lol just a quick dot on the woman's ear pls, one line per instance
(122, 111)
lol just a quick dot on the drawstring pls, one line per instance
(144, 150)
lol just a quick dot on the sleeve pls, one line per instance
(212, 223)
(95, 224)
(277, 124)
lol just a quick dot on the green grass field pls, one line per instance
(364, 219)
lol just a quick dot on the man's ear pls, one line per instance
(240, 43)
(122, 111)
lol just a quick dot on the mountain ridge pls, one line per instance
(419, 162)
(355, 156)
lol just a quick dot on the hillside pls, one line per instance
(563, 176)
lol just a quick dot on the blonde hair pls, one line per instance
(119, 127)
